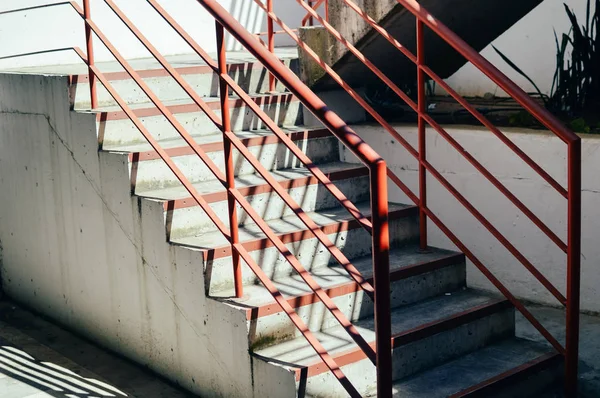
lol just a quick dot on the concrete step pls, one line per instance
(184, 216)
(149, 173)
(243, 68)
(415, 276)
(115, 127)
(512, 368)
(424, 334)
(337, 224)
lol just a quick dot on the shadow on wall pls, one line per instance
(49, 378)
(249, 15)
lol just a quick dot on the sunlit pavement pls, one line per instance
(38, 360)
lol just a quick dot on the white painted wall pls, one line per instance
(550, 153)
(76, 246)
(60, 26)
(530, 44)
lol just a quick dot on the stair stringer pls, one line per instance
(79, 248)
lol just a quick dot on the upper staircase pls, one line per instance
(477, 22)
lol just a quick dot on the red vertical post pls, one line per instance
(228, 151)
(573, 268)
(422, 107)
(310, 19)
(326, 10)
(381, 278)
(270, 41)
(90, 53)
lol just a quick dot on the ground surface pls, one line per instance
(39, 359)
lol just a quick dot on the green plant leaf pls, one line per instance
(519, 71)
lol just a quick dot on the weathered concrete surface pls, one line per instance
(477, 22)
(80, 249)
(38, 357)
(550, 153)
(589, 345)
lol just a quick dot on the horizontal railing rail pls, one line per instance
(572, 193)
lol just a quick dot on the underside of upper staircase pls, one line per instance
(477, 22)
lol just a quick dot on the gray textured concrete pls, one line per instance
(589, 358)
(39, 359)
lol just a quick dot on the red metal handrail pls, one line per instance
(378, 170)
(572, 194)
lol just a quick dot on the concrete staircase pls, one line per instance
(448, 340)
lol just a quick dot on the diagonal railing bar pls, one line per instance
(307, 278)
(295, 318)
(355, 274)
(489, 176)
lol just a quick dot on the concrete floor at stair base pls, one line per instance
(31, 341)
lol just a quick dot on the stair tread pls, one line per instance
(251, 231)
(472, 369)
(298, 353)
(200, 139)
(243, 181)
(257, 295)
(181, 102)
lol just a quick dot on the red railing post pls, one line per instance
(90, 54)
(228, 152)
(573, 268)
(310, 20)
(381, 278)
(422, 108)
(270, 41)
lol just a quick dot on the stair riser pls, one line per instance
(358, 305)
(154, 174)
(194, 221)
(252, 78)
(536, 385)
(419, 355)
(311, 254)
(123, 131)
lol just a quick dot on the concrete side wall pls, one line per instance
(550, 153)
(57, 27)
(77, 247)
